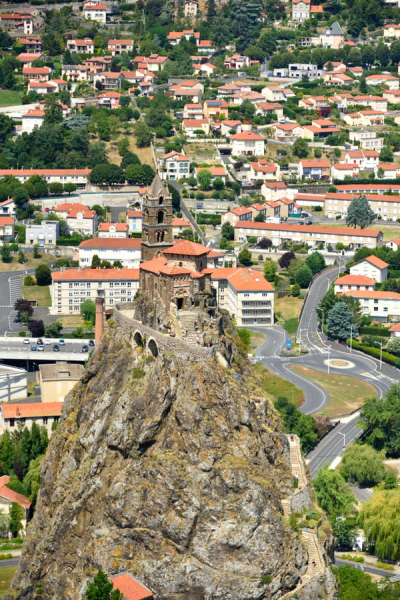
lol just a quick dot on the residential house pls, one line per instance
(289, 208)
(118, 47)
(336, 66)
(238, 98)
(8, 497)
(174, 37)
(237, 62)
(191, 127)
(230, 126)
(298, 71)
(178, 225)
(390, 171)
(83, 221)
(71, 287)
(193, 111)
(190, 8)
(264, 170)
(318, 103)
(57, 380)
(353, 282)
(356, 71)
(392, 96)
(75, 72)
(276, 190)
(274, 93)
(269, 108)
(32, 119)
(27, 58)
(45, 234)
(387, 207)
(174, 166)
(241, 213)
(333, 37)
(233, 88)
(380, 306)
(395, 330)
(215, 108)
(247, 143)
(180, 93)
(315, 168)
(113, 230)
(109, 99)
(308, 234)
(337, 79)
(301, 10)
(205, 69)
(206, 47)
(152, 63)
(108, 79)
(391, 31)
(38, 73)
(85, 46)
(216, 172)
(372, 267)
(22, 21)
(129, 587)
(77, 176)
(246, 294)
(367, 139)
(343, 171)
(383, 79)
(8, 207)
(43, 414)
(127, 251)
(32, 43)
(98, 13)
(365, 159)
(135, 219)
(375, 102)
(287, 132)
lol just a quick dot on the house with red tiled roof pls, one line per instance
(301, 10)
(126, 251)
(178, 225)
(393, 244)
(130, 588)
(315, 168)
(216, 172)
(85, 46)
(174, 37)
(372, 267)
(264, 170)
(390, 81)
(38, 73)
(116, 285)
(118, 47)
(152, 63)
(193, 111)
(174, 166)
(113, 230)
(32, 43)
(395, 330)
(43, 414)
(98, 13)
(353, 282)
(192, 127)
(269, 108)
(8, 496)
(240, 213)
(77, 176)
(247, 143)
(135, 219)
(378, 305)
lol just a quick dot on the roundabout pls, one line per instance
(339, 363)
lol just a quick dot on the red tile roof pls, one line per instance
(66, 206)
(130, 588)
(6, 221)
(247, 135)
(215, 171)
(373, 294)
(395, 327)
(178, 222)
(44, 172)
(316, 162)
(5, 492)
(355, 280)
(96, 275)
(130, 243)
(186, 248)
(244, 279)
(374, 260)
(308, 228)
(36, 409)
(135, 213)
(154, 265)
(118, 226)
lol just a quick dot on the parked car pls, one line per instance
(39, 341)
(304, 215)
(91, 342)
(33, 348)
(56, 348)
(27, 341)
(47, 342)
(17, 319)
(40, 348)
(62, 342)
(85, 348)
(308, 223)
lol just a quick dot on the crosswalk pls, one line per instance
(15, 289)
(310, 351)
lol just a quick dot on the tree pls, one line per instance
(21, 257)
(300, 148)
(139, 174)
(296, 290)
(16, 516)
(69, 188)
(386, 154)
(20, 196)
(106, 174)
(5, 252)
(363, 464)
(345, 532)
(357, 585)
(22, 305)
(123, 146)
(32, 477)
(141, 131)
(260, 218)
(303, 276)
(36, 327)
(53, 330)
(316, 262)
(43, 275)
(102, 589)
(333, 494)
(36, 251)
(6, 127)
(124, 101)
(52, 110)
(286, 259)
(340, 321)
(88, 310)
(264, 242)
(296, 422)
(56, 188)
(393, 346)
(380, 173)
(381, 423)
(218, 183)
(360, 213)
(379, 517)
(129, 158)
(270, 268)
(245, 257)
(96, 262)
(204, 177)
(228, 231)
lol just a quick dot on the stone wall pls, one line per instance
(165, 343)
(301, 499)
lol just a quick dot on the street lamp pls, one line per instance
(380, 359)
(344, 438)
(351, 337)
(300, 339)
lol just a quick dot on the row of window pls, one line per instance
(99, 284)
(23, 420)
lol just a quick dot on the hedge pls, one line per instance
(68, 242)
(394, 274)
(375, 353)
(371, 330)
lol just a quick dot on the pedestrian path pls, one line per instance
(187, 320)
(15, 288)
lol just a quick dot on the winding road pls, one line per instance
(320, 351)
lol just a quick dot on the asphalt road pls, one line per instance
(9, 562)
(320, 352)
(339, 562)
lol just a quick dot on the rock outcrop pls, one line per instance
(171, 469)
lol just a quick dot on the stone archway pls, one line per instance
(138, 339)
(152, 347)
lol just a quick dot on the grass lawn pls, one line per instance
(200, 150)
(31, 263)
(40, 293)
(75, 321)
(289, 307)
(6, 575)
(256, 339)
(291, 325)
(277, 387)
(389, 232)
(346, 393)
(9, 98)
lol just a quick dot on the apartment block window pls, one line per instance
(44, 420)
(70, 285)
(12, 422)
(111, 285)
(246, 295)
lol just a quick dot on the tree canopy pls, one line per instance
(380, 517)
(380, 418)
(333, 494)
(359, 213)
(340, 322)
(363, 464)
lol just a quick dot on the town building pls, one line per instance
(216, 172)
(8, 496)
(288, 132)
(193, 127)
(367, 139)
(299, 70)
(57, 380)
(246, 294)
(247, 143)
(179, 225)
(237, 62)
(393, 244)
(44, 414)
(392, 30)
(380, 306)
(383, 79)
(301, 10)
(75, 72)
(38, 73)
(365, 159)
(118, 47)
(371, 267)
(174, 166)
(308, 234)
(45, 234)
(152, 63)
(77, 176)
(7, 224)
(71, 287)
(130, 588)
(85, 46)
(215, 108)
(109, 99)
(190, 8)
(135, 219)
(113, 230)
(263, 170)
(32, 43)
(27, 58)
(98, 13)
(126, 251)
(353, 282)
(110, 81)
(395, 330)
(315, 168)
(333, 37)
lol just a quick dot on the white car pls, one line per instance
(47, 342)
(27, 341)
(40, 348)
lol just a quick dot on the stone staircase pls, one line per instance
(296, 461)
(187, 319)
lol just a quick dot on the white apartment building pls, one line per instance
(77, 176)
(353, 282)
(83, 221)
(372, 267)
(246, 294)
(380, 306)
(127, 251)
(247, 143)
(301, 10)
(43, 414)
(388, 207)
(45, 234)
(70, 288)
(113, 230)
(368, 139)
(308, 234)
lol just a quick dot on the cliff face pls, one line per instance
(168, 468)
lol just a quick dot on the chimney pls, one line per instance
(17, 411)
(99, 325)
